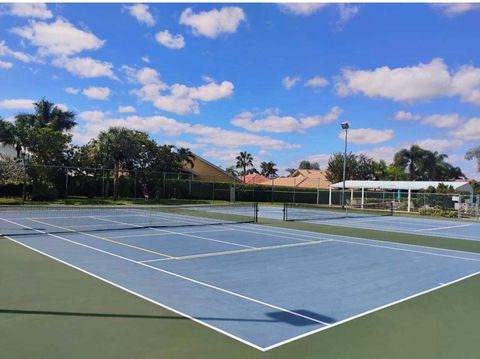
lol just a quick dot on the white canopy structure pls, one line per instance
(409, 186)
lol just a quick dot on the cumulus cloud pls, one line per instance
(96, 121)
(18, 55)
(34, 10)
(290, 82)
(316, 82)
(415, 83)
(303, 8)
(5, 65)
(59, 38)
(470, 130)
(126, 109)
(171, 41)
(71, 90)
(384, 153)
(437, 120)
(215, 22)
(17, 104)
(176, 98)
(146, 59)
(439, 145)
(453, 9)
(85, 67)
(97, 93)
(141, 13)
(275, 123)
(62, 106)
(367, 135)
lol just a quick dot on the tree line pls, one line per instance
(43, 137)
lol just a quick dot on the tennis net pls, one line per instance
(38, 219)
(306, 212)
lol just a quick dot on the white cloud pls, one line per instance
(440, 145)
(146, 59)
(347, 12)
(5, 65)
(6, 51)
(415, 83)
(367, 135)
(126, 109)
(406, 116)
(321, 158)
(316, 82)
(385, 153)
(85, 67)
(215, 22)
(437, 120)
(58, 38)
(275, 123)
(141, 13)
(93, 116)
(289, 82)
(168, 40)
(97, 93)
(176, 98)
(35, 10)
(96, 121)
(303, 8)
(470, 130)
(62, 106)
(71, 90)
(456, 8)
(443, 121)
(17, 104)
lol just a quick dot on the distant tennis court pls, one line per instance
(263, 286)
(382, 220)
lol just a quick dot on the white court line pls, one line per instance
(319, 236)
(218, 330)
(446, 227)
(370, 311)
(134, 235)
(180, 233)
(263, 349)
(237, 251)
(104, 239)
(176, 275)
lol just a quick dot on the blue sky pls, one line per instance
(275, 80)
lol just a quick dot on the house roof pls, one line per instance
(254, 178)
(309, 173)
(404, 185)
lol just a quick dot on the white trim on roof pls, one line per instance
(404, 185)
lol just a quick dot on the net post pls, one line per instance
(255, 218)
(285, 211)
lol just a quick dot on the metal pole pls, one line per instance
(66, 185)
(344, 168)
(24, 187)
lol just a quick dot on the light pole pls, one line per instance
(345, 126)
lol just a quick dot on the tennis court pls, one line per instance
(263, 286)
(379, 220)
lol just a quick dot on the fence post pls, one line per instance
(24, 187)
(66, 184)
(318, 191)
(363, 196)
(135, 184)
(294, 186)
(330, 195)
(213, 189)
(103, 182)
(164, 185)
(273, 181)
(409, 205)
(190, 179)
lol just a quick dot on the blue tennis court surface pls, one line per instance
(460, 229)
(264, 286)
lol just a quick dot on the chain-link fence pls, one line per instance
(48, 183)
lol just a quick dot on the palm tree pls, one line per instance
(474, 153)
(413, 159)
(244, 160)
(45, 114)
(268, 169)
(185, 157)
(119, 145)
(231, 170)
(291, 171)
